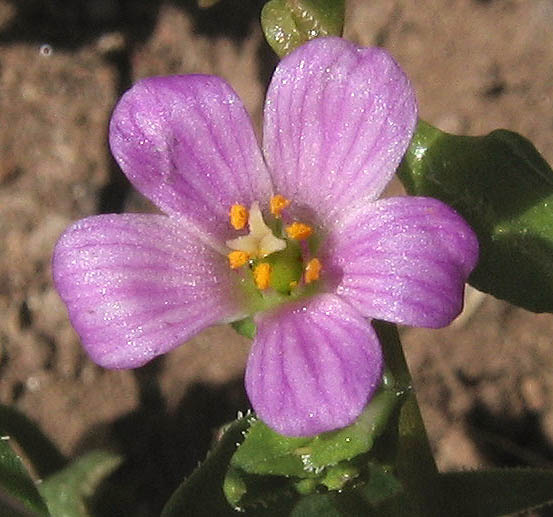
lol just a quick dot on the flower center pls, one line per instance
(277, 258)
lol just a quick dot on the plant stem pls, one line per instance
(415, 465)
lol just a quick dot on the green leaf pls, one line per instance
(287, 24)
(266, 452)
(269, 492)
(396, 375)
(414, 463)
(504, 189)
(331, 505)
(405, 445)
(234, 486)
(41, 452)
(202, 493)
(381, 496)
(330, 448)
(19, 495)
(268, 466)
(337, 476)
(280, 28)
(382, 485)
(67, 492)
(245, 327)
(490, 493)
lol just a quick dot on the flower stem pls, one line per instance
(414, 462)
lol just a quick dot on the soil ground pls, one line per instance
(485, 384)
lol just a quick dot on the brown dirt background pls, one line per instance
(484, 384)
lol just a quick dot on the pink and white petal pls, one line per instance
(404, 260)
(187, 143)
(338, 119)
(313, 366)
(137, 286)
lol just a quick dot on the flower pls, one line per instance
(294, 236)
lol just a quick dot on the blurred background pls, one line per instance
(485, 384)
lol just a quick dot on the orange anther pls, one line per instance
(238, 216)
(312, 270)
(237, 259)
(278, 204)
(299, 231)
(262, 275)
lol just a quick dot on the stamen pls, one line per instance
(299, 231)
(262, 275)
(237, 259)
(238, 216)
(312, 270)
(278, 204)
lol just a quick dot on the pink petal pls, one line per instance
(187, 143)
(403, 260)
(313, 366)
(137, 286)
(338, 119)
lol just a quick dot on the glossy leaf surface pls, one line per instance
(504, 189)
(19, 495)
(287, 24)
(39, 449)
(202, 493)
(68, 491)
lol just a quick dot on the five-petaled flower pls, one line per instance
(294, 236)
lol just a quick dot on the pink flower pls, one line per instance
(311, 271)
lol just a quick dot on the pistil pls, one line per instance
(276, 263)
(261, 241)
